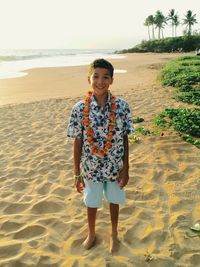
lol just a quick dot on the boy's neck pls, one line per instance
(101, 99)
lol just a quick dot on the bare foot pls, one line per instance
(89, 242)
(114, 244)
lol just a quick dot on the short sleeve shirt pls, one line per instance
(93, 167)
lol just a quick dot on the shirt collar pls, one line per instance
(94, 103)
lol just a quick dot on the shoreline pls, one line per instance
(61, 82)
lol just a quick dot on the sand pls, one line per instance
(43, 219)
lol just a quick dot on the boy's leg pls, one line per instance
(92, 197)
(91, 216)
(114, 196)
(114, 215)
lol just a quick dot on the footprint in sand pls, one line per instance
(61, 191)
(10, 226)
(47, 207)
(20, 186)
(30, 232)
(16, 208)
(8, 251)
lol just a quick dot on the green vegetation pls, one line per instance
(192, 97)
(185, 121)
(139, 131)
(159, 21)
(169, 44)
(142, 131)
(189, 21)
(173, 19)
(137, 120)
(184, 74)
(190, 41)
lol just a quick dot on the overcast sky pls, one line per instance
(83, 23)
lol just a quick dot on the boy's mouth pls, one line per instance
(100, 87)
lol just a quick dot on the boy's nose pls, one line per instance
(99, 81)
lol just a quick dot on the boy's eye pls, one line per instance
(96, 77)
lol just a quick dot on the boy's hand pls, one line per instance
(123, 177)
(79, 186)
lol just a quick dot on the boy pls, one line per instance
(100, 126)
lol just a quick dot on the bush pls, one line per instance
(169, 44)
(184, 74)
(137, 120)
(192, 97)
(185, 121)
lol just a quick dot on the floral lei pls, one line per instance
(94, 149)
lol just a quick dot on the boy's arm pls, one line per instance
(124, 173)
(126, 153)
(78, 143)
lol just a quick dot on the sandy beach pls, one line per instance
(43, 219)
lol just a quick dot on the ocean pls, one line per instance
(14, 63)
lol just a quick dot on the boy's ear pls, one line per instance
(89, 80)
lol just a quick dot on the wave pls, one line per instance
(15, 58)
(27, 57)
(17, 55)
(14, 64)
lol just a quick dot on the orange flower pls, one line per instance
(113, 106)
(87, 100)
(90, 132)
(101, 153)
(86, 111)
(86, 121)
(90, 139)
(112, 117)
(111, 127)
(110, 136)
(108, 145)
(93, 150)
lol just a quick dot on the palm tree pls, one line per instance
(189, 21)
(152, 22)
(149, 21)
(176, 22)
(160, 20)
(171, 19)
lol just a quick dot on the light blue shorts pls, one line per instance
(94, 192)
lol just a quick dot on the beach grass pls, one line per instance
(185, 121)
(183, 73)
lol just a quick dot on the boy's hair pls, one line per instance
(101, 63)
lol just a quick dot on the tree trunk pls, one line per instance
(159, 33)
(153, 34)
(149, 33)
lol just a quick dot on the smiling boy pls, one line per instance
(100, 126)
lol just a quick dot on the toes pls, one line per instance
(89, 243)
(114, 245)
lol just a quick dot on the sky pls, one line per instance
(116, 24)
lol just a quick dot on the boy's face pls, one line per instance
(100, 80)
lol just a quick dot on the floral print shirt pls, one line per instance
(93, 167)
